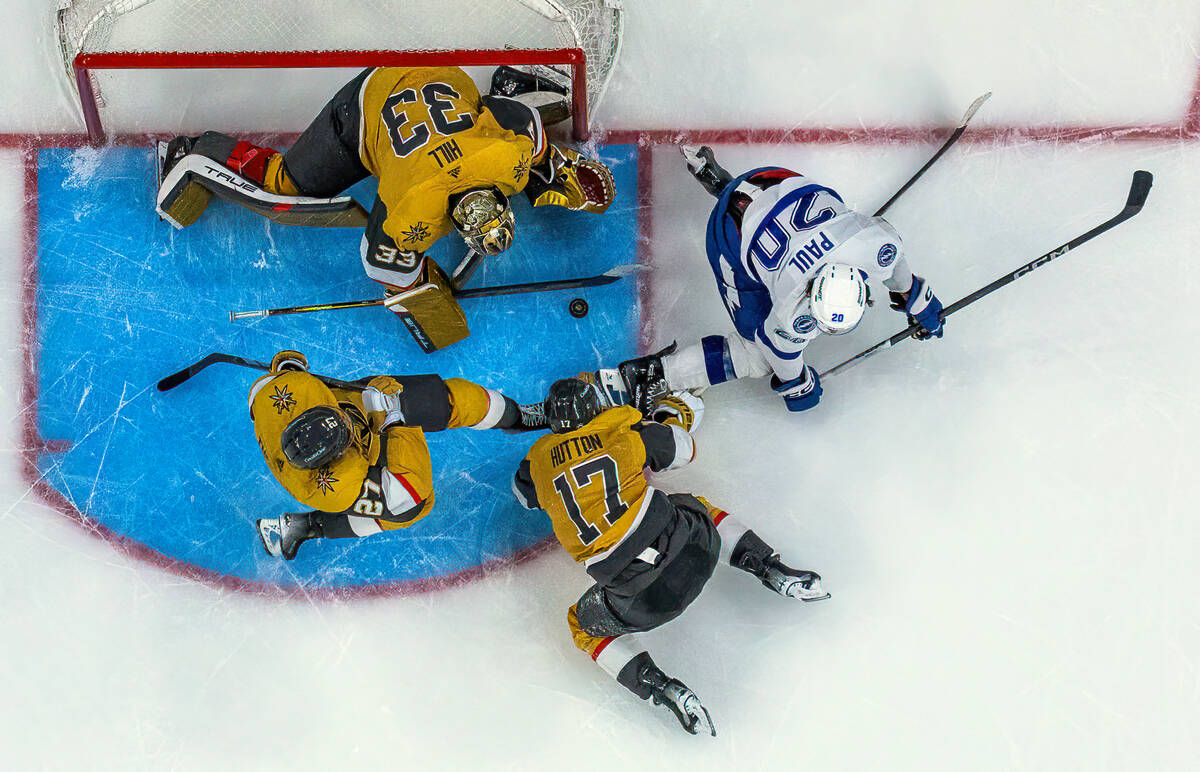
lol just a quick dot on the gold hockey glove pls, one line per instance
(381, 400)
(572, 181)
(289, 360)
(679, 408)
(385, 384)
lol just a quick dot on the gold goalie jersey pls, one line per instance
(384, 475)
(591, 482)
(426, 136)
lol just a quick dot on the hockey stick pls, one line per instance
(174, 379)
(1138, 190)
(608, 277)
(471, 261)
(958, 130)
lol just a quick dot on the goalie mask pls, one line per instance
(839, 298)
(317, 437)
(570, 404)
(484, 219)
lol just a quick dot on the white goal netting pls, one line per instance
(95, 26)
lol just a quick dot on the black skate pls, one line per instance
(531, 418)
(704, 167)
(169, 154)
(509, 81)
(645, 379)
(754, 556)
(790, 583)
(681, 700)
(282, 536)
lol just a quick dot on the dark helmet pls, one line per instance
(316, 437)
(571, 403)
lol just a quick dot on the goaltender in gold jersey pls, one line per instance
(358, 457)
(649, 552)
(446, 158)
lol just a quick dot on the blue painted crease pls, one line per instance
(123, 299)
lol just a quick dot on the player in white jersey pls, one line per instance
(791, 261)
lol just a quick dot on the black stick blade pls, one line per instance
(1139, 189)
(174, 379)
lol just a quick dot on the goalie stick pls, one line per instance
(1139, 188)
(958, 130)
(471, 261)
(608, 277)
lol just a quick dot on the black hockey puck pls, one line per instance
(578, 308)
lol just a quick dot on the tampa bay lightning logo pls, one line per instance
(887, 255)
(804, 324)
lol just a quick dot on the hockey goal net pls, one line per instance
(109, 47)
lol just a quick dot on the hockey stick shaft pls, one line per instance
(1139, 188)
(175, 379)
(607, 277)
(466, 267)
(958, 131)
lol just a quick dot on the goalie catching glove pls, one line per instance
(570, 180)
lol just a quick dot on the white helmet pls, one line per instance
(839, 298)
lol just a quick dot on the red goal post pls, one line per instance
(86, 63)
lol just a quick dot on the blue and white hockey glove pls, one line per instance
(799, 393)
(922, 307)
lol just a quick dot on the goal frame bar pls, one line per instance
(85, 63)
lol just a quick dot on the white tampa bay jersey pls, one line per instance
(793, 228)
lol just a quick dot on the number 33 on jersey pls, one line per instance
(427, 135)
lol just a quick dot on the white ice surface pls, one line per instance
(1006, 517)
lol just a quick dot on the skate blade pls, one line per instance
(271, 536)
(612, 387)
(810, 594)
(701, 720)
(160, 160)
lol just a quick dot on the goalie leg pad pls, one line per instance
(187, 197)
(246, 159)
(183, 203)
(190, 183)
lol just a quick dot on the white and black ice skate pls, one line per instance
(790, 583)
(644, 678)
(686, 706)
(530, 418)
(677, 697)
(754, 556)
(645, 379)
(167, 154)
(282, 536)
(513, 81)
